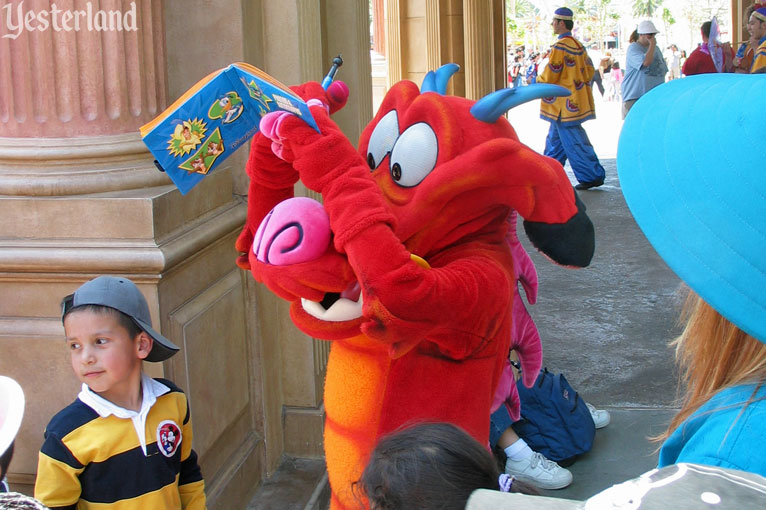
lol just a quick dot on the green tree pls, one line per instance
(595, 18)
(515, 31)
(520, 20)
(645, 8)
(667, 20)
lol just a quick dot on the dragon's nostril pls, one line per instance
(396, 171)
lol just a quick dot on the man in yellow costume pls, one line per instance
(756, 25)
(569, 66)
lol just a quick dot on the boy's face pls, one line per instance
(103, 355)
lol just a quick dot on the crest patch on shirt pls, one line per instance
(168, 437)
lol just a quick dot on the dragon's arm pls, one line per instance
(271, 181)
(458, 305)
(271, 178)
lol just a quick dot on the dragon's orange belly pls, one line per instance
(357, 371)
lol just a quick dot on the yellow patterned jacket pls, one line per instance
(570, 67)
(759, 58)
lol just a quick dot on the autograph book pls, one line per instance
(214, 118)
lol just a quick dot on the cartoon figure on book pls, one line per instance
(186, 137)
(405, 267)
(228, 108)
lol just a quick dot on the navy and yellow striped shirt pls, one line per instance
(89, 461)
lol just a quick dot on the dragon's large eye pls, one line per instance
(382, 139)
(414, 155)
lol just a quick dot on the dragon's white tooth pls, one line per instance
(342, 310)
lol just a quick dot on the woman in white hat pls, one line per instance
(645, 68)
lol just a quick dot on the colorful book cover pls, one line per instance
(213, 119)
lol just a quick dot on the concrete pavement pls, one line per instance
(606, 327)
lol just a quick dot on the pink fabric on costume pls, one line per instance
(525, 338)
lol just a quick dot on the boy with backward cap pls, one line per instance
(126, 439)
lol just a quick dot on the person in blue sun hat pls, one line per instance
(702, 206)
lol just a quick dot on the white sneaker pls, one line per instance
(600, 417)
(539, 471)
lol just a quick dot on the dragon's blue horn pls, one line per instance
(436, 81)
(429, 82)
(490, 107)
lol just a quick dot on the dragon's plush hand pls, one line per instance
(330, 165)
(272, 178)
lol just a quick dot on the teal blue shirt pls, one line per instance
(718, 435)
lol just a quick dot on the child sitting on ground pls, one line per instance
(127, 438)
(431, 466)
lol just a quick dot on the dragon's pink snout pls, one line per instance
(296, 230)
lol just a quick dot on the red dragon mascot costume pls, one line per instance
(405, 266)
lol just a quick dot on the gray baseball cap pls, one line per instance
(677, 487)
(122, 295)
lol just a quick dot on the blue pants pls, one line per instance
(571, 141)
(498, 422)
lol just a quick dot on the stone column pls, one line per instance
(348, 32)
(71, 100)
(393, 42)
(81, 196)
(499, 45)
(378, 27)
(479, 58)
(433, 34)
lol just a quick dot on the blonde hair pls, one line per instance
(712, 354)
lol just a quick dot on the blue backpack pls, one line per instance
(554, 419)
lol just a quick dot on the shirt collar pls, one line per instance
(565, 34)
(151, 389)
